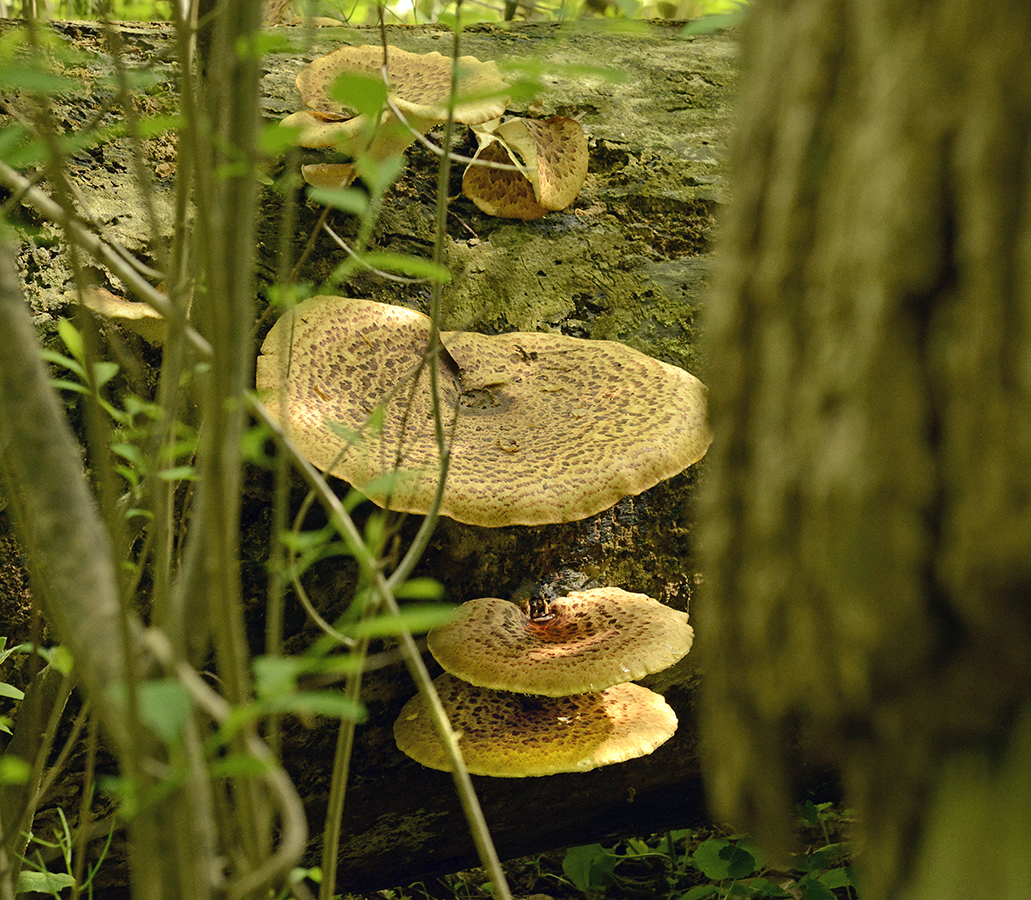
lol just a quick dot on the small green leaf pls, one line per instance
(587, 866)
(415, 619)
(348, 200)
(365, 94)
(420, 589)
(275, 139)
(407, 265)
(835, 878)
(9, 690)
(709, 24)
(810, 889)
(44, 882)
(740, 863)
(709, 860)
(72, 340)
(14, 770)
(103, 372)
(333, 704)
(178, 473)
(165, 705)
(238, 765)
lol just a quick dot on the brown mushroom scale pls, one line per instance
(545, 428)
(593, 640)
(511, 735)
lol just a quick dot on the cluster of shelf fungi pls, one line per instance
(542, 429)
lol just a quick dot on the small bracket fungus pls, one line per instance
(515, 735)
(419, 87)
(586, 641)
(139, 317)
(551, 155)
(544, 428)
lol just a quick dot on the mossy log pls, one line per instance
(625, 262)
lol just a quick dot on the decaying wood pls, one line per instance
(625, 262)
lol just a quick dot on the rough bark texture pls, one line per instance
(624, 262)
(868, 536)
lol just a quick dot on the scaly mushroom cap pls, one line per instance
(420, 84)
(516, 735)
(553, 156)
(586, 641)
(549, 428)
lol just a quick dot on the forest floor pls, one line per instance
(688, 864)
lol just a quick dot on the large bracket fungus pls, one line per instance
(585, 641)
(550, 157)
(419, 89)
(544, 428)
(516, 735)
(544, 691)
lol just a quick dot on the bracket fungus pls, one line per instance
(544, 428)
(551, 156)
(508, 735)
(585, 641)
(419, 88)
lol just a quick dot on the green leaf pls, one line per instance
(165, 705)
(380, 174)
(67, 362)
(709, 24)
(103, 372)
(178, 473)
(420, 589)
(44, 882)
(9, 690)
(275, 139)
(709, 860)
(73, 341)
(14, 770)
(365, 94)
(333, 704)
(238, 765)
(835, 878)
(740, 863)
(810, 889)
(407, 265)
(416, 619)
(349, 200)
(587, 866)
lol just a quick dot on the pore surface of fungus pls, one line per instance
(586, 641)
(552, 157)
(419, 87)
(544, 428)
(516, 735)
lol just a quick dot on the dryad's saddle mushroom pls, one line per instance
(419, 88)
(585, 641)
(542, 691)
(551, 157)
(544, 428)
(516, 735)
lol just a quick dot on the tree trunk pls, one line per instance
(868, 521)
(625, 262)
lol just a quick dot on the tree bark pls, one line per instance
(868, 524)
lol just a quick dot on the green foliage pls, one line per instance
(699, 865)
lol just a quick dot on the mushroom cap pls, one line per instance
(517, 735)
(553, 155)
(139, 317)
(544, 428)
(591, 641)
(500, 192)
(420, 84)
